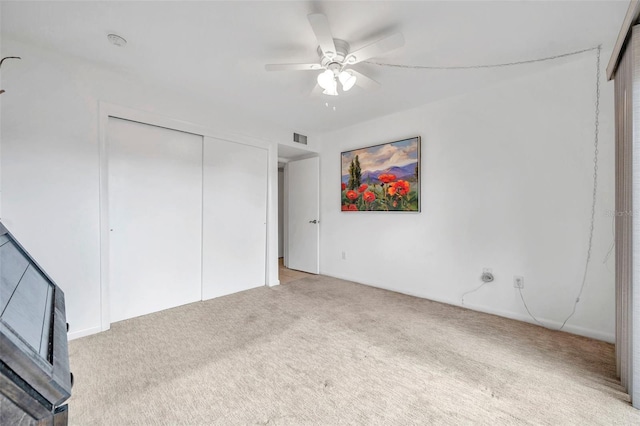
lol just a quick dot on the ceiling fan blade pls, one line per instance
(376, 48)
(320, 27)
(293, 67)
(364, 81)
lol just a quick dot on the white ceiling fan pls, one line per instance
(336, 59)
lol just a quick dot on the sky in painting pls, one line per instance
(381, 157)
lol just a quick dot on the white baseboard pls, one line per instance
(573, 329)
(273, 283)
(581, 331)
(82, 333)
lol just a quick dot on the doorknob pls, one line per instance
(313, 221)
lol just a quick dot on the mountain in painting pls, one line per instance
(405, 173)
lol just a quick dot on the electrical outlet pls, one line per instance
(518, 282)
(344, 255)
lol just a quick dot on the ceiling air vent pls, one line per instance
(297, 137)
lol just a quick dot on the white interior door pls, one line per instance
(234, 240)
(155, 218)
(303, 215)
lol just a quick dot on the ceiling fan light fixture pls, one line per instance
(326, 80)
(335, 55)
(347, 79)
(332, 90)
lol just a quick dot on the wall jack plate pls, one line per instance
(518, 281)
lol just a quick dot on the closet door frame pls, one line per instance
(106, 110)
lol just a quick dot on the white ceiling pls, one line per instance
(217, 50)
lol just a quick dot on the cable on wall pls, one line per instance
(595, 159)
(613, 242)
(471, 67)
(473, 291)
(487, 277)
(593, 202)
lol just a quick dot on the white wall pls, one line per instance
(50, 162)
(1, 56)
(506, 184)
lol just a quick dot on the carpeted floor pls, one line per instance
(322, 351)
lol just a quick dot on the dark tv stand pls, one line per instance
(35, 379)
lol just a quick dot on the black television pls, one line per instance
(35, 379)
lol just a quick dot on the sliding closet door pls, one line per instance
(623, 228)
(627, 221)
(155, 218)
(634, 182)
(234, 237)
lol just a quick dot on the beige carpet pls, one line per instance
(322, 351)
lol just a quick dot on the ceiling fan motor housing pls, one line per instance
(338, 58)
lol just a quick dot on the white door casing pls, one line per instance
(155, 218)
(303, 190)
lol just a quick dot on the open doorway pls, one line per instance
(298, 219)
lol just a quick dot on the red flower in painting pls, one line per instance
(363, 188)
(345, 207)
(386, 177)
(344, 186)
(369, 196)
(403, 187)
(351, 194)
(400, 187)
(353, 208)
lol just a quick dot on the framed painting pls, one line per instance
(383, 177)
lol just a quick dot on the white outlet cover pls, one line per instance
(518, 281)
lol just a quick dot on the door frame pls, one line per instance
(285, 212)
(106, 110)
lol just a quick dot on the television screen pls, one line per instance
(26, 298)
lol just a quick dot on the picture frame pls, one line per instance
(383, 177)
